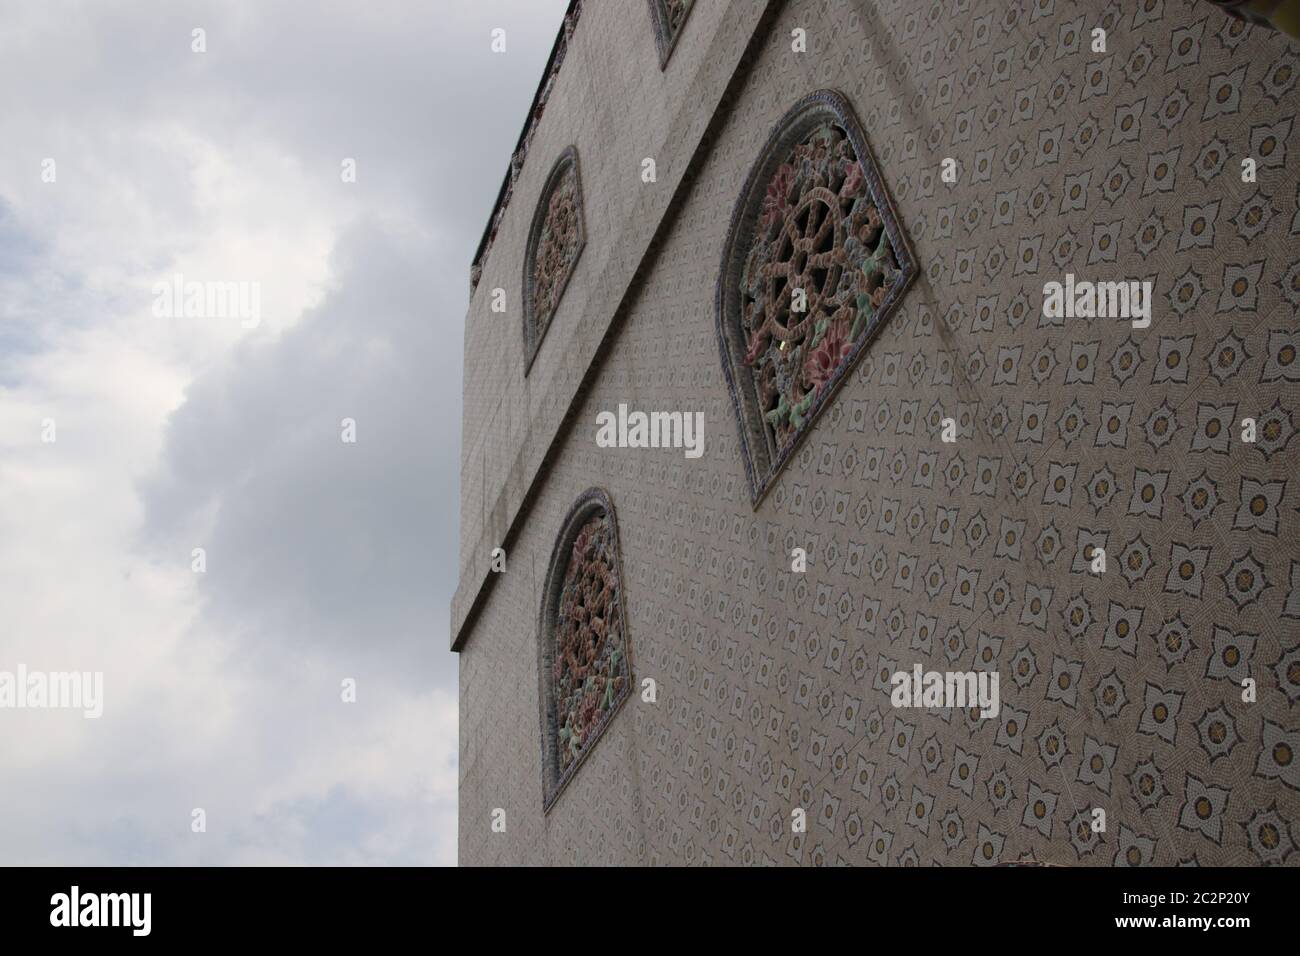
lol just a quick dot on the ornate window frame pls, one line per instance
(665, 37)
(590, 504)
(764, 460)
(533, 331)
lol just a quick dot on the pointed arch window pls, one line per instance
(583, 648)
(669, 16)
(555, 240)
(814, 262)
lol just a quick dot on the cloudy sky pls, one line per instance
(325, 560)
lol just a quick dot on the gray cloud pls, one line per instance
(320, 545)
(325, 560)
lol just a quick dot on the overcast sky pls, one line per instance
(325, 560)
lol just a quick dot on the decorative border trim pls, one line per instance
(788, 130)
(590, 502)
(665, 41)
(534, 343)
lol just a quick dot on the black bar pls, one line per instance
(333, 906)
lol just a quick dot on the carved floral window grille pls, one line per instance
(584, 665)
(669, 17)
(555, 241)
(814, 263)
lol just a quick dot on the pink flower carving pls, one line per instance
(853, 179)
(777, 197)
(757, 344)
(833, 349)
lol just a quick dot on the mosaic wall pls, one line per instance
(1120, 690)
